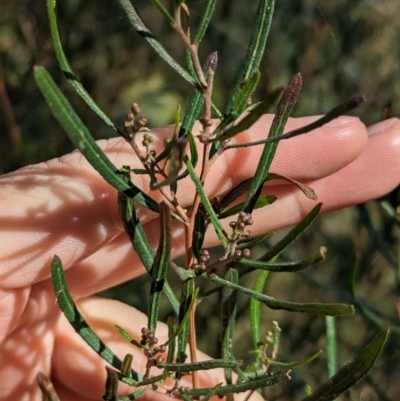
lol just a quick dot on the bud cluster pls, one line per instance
(148, 341)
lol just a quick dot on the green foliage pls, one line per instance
(164, 170)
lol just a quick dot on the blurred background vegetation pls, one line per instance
(342, 48)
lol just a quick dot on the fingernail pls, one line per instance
(381, 126)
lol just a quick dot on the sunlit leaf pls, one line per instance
(80, 136)
(284, 110)
(160, 266)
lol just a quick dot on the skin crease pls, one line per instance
(64, 207)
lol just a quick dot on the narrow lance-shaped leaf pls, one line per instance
(164, 11)
(140, 243)
(256, 47)
(188, 289)
(206, 203)
(228, 318)
(126, 336)
(255, 309)
(185, 318)
(198, 233)
(67, 305)
(67, 70)
(260, 382)
(205, 19)
(331, 115)
(160, 266)
(295, 364)
(263, 200)
(238, 106)
(288, 238)
(284, 110)
(272, 303)
(80, 136)
(171, 339)
(127, 365)
(331, 351)
(141, 28)
(285, 266)
(307, 191)
(254, 241)
(352, 372)
(244, 186)
(194, 366)
(251, 118)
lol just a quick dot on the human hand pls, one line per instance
(64, 207)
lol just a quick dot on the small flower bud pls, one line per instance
(135, 109)
(246, 253)
(129, 116)
(238, 254)
(149, 352)
(142, 122)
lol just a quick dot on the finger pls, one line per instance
(64, 207)
(80, 369)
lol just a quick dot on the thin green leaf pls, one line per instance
(185, 318)
(264, 381)
(254, 241)
(199, 233)
(205, 19)
(244, 186)
(67, 305)
(126, 336)
(331, 351)
(228, 318)
(252, 117)
(111, 385)
(307, 191)
(127, 365)
(141, 28)
(164, 11)
(255, 308)
(295, 364)
(284, 110)
(188, 289)
(67, 70)
(238, 107)
(331, 115)
(194, 366)
(206, 203)
(295, 266)
(256, 47)
(212, 392)
(276, 338)
(160, 266)
(171, 339)
(272, 303)
(140, 243)
(80, 136)
(135, 395)
(353, 371)
(263, 200)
